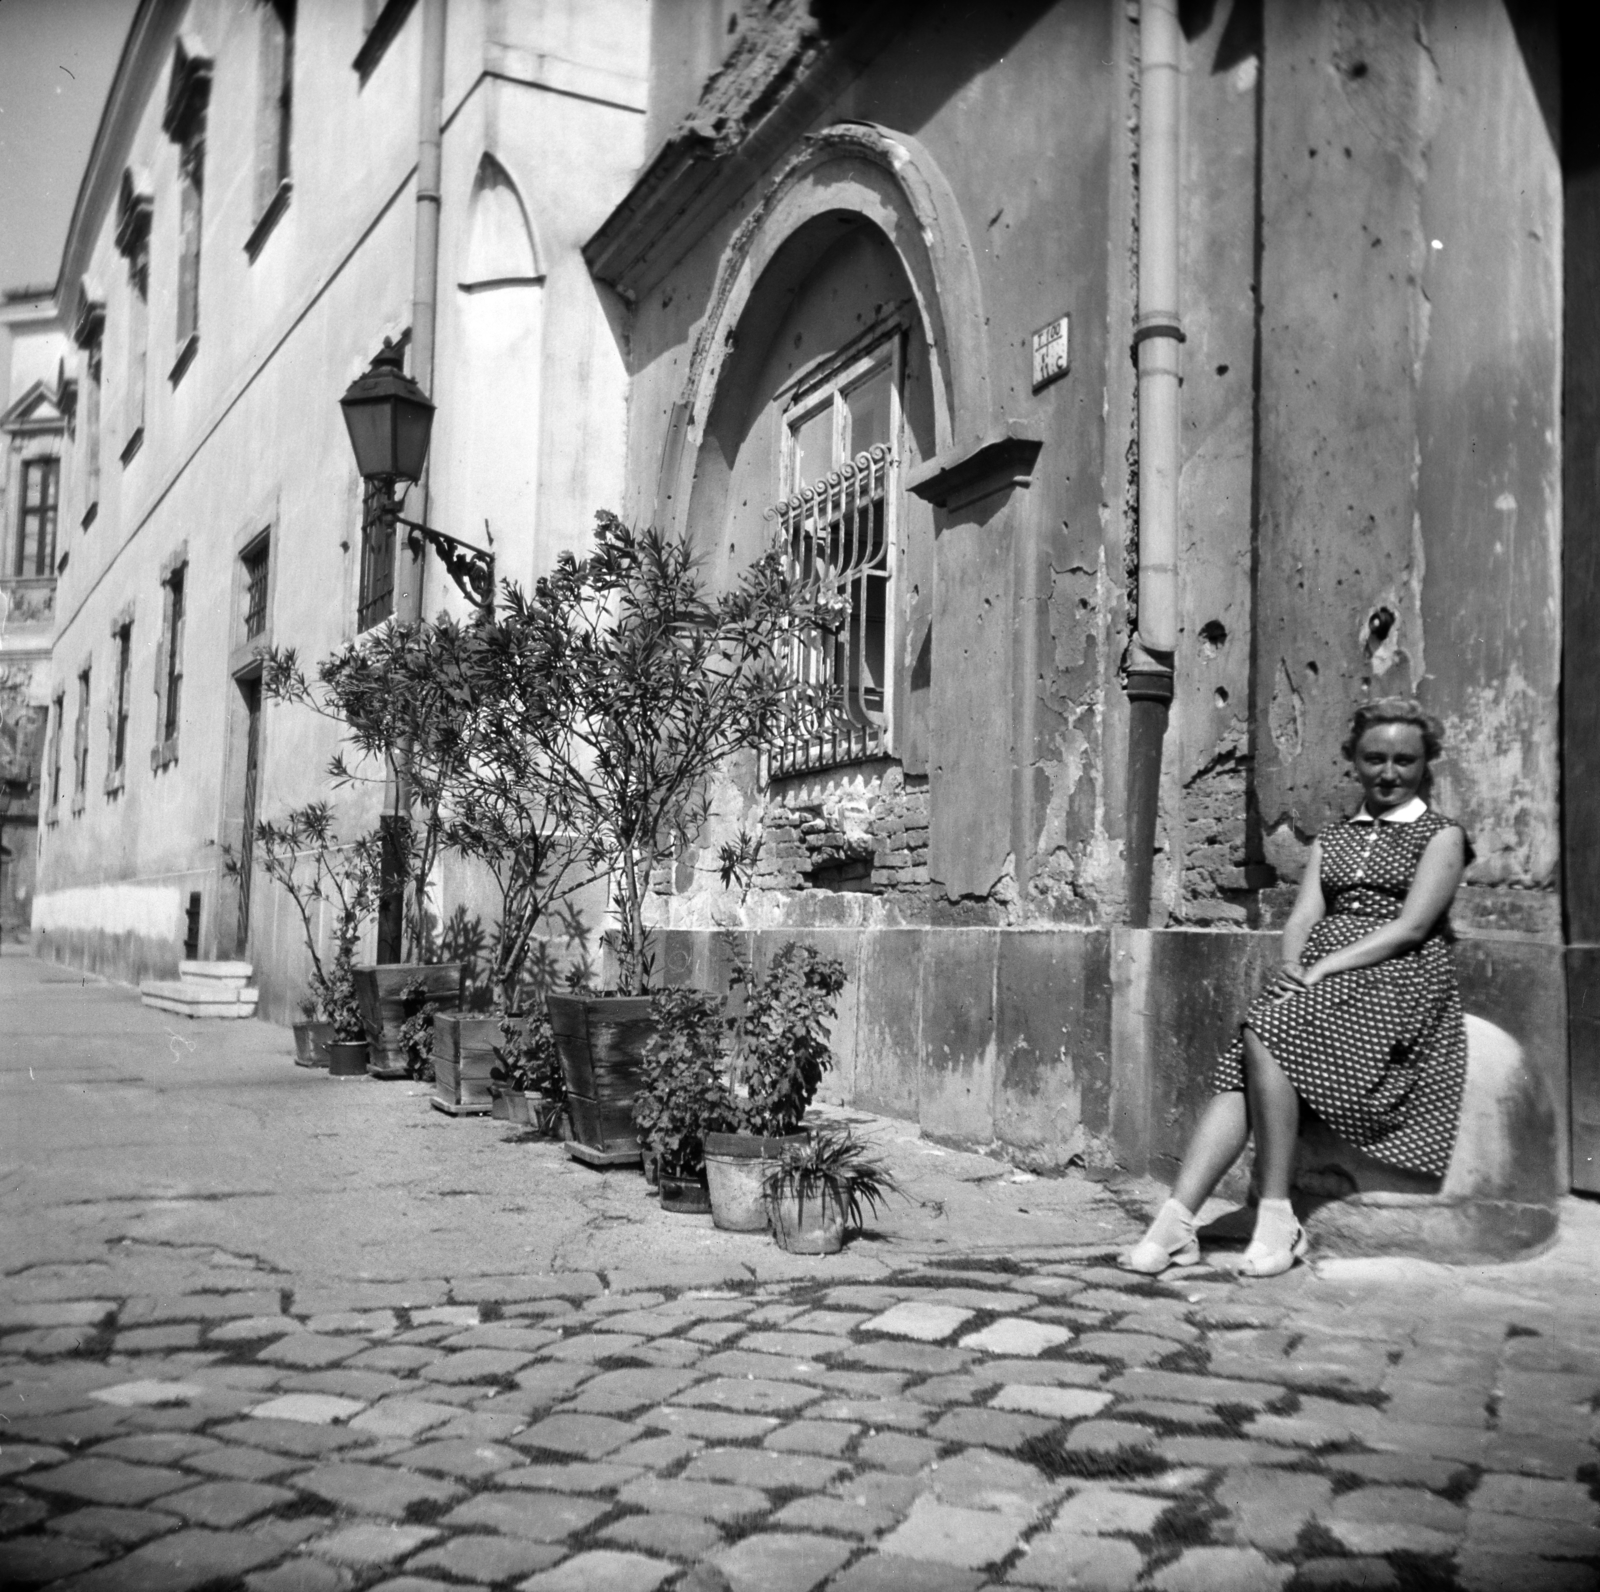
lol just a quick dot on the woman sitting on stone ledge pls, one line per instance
(1363, 1020)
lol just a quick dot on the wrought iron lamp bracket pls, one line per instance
(471, 568)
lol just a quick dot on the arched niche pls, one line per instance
(500, 249)
(849, 176)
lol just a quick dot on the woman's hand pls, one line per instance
(1291, 979)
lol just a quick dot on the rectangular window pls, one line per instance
(80, 743)
(837, 522)
(136, 353)
(36, 529)
(191, 192)
(274, 117)
(123, 638)
(93, 366)
(255, 589)
(376, 599)
(59, 710)
(172, 693)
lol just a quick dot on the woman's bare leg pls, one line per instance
(1274, 1116)
(1218, 1142)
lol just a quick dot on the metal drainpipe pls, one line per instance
(409, 559)
(1148, 666)
(425, 263)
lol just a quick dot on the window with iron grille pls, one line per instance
(375, 601)
(255, 589)
(837, 527)
(80, 742)
(36, 528)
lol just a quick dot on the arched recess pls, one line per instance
(500, 249)
(493, 411)
(851, 174)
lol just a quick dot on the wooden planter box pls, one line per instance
(383, 1011)
(463, 1054)
(601, 1041)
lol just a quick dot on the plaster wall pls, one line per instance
(249, 439)
(1368, 501)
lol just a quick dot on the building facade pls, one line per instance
(913, 289)
(1150, 383)
(244, 242)
(38, 399)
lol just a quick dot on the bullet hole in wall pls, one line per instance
(1220, 696)
(1356, 70)
(1379, 623)
(1213, 634)
(1222, 370)
(1312, 669)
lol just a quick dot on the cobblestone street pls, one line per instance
(211, 1380)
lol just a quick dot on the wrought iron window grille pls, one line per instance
(836, 535)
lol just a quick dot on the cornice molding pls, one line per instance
(700, 171)
(188, 89)
(135, 82)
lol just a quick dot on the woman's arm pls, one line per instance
(1438, 874)
(1310, 908)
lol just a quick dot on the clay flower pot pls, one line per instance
(736, 1167)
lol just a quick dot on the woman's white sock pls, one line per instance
(1275, 1225)
(1173, 1227)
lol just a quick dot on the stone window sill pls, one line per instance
(191, 346)
(78, 805)
(90, 515)
(164, 755)
(270, 217)
(115, 782)
(132, 445)
(380, 36)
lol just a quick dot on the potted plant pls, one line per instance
(644, 684)
(399, 694)
(527, 1067)
(685, 1093)
(348, 1050)
(779, 1064)
(322, 876)
(815, 1190)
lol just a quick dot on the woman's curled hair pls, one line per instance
(1395, 710)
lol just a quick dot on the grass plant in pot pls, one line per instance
(685, 1094)
(648, 684)
(778, 1067)
(331, 883)
(817, 1190)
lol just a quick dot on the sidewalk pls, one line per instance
(262, 1328)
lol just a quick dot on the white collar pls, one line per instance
(1407, 813)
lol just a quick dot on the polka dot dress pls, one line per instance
(1379, 1053)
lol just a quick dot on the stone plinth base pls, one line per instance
(204, 989)
(1496, 1201)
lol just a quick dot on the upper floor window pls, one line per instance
(837, 521)
(58, 709)
(255, 561)
(169, 669)
(134, 211)
(188, 96)
(274, 118)
(80, 741)
(375, 601)
(36, 521)
(117, 717)
(88, 332)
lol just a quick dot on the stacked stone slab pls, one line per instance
(204, 989)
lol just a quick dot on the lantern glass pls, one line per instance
(389, 420)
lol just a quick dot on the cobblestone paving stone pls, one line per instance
(928, 1432)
